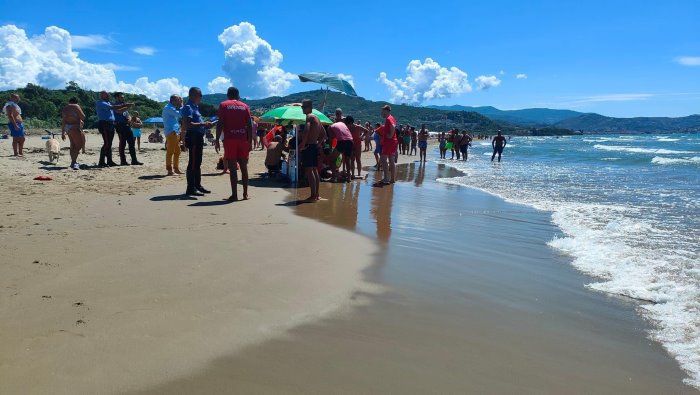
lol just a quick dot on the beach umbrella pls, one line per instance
(153, 120)
(330, 80)
(292, 114)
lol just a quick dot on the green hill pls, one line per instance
(533, 116)
(367, 110)
(595, 123)
(42, 107)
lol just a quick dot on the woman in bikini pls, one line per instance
(73, 118)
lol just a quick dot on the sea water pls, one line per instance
(629, 210)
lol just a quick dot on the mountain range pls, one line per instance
(585, 122)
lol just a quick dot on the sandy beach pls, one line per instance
(111, 282)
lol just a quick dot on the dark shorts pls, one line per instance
(260, 133)
(377, 147)
(463, 148)
(423, 144)
(309, 156)
(497, 150)
(17, 132)
(345, 147)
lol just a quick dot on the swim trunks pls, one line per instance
(463, 148)
(422, 144)
(235, 149)
(16, 132)
(390, 147)
(345, 147)
(498, 150)
(136, 132)
(309, 155)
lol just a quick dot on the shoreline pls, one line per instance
(549, 336)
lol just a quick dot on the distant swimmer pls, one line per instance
(498, 143)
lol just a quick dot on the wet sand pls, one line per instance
(476, 303)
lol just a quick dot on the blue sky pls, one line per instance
(616, 58)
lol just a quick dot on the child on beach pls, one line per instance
(136, 125)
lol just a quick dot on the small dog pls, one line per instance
(53, 147)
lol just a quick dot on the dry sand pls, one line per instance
(110, 282)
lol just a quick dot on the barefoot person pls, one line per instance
(194, 130)
(136, 125)
(423, 142)
(171, 121)
(308, 148)
(344, 146)
(498, 143)
(14, 114)
(390, 144)
(237, 127)
(72, 124)
(464, 143)
(377, 137)
(105, 124)
(356, 131)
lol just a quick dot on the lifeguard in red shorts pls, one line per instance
(237, 127)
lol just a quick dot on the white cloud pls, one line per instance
(48, 60)
(120, 67)
(521, 76)
(348, 78)
(484, 82)
(219, 85)
(615, 97)
(426, 81)
(252, 64)
(688, 60)
(146, 51)
(91, 41)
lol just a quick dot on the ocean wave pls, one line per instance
(666, 139)
(626, 248)
(639, 150)
(660, 160)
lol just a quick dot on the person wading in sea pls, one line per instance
(498, 143)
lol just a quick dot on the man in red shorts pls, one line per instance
(390, 144)
(237, 127)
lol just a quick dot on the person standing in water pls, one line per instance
(423, 143)
(390, 144)
(498, 143)
(464, 143)
(308, 148)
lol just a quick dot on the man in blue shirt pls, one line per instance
(126, 135)
(105, 124)
(194, 131)
(171, 121)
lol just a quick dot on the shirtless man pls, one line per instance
(498, 143)
(356, 131)
(72, 124)
(464, 144)
(308, 148)
(423, 142)
(14, 114)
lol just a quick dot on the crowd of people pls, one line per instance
(326, 152)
